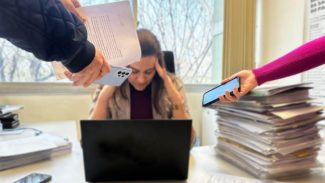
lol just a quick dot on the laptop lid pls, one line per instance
(117, 150)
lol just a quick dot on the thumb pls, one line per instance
(76, 3)
(228, 79)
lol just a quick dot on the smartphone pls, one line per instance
(35, 178)
(116, 77)
(213, 95)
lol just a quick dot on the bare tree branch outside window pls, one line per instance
(17, 65)
(183, 26)
(186, 28)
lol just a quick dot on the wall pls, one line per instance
(280, 29)
(40, 108)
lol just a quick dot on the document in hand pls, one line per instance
(111, 28)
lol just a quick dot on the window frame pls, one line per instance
(231, 11)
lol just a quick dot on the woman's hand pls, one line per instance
(175, 96)
(172, 91)
(247, 83)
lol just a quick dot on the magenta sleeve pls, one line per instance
(305, 57)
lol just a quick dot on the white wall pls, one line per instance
(209, 126)
(41, 108)
(280, 29)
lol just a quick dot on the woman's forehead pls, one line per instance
(145, 63)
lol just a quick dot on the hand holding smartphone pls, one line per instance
(115, 77)
(213, 95)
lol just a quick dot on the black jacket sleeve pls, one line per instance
(46, 29)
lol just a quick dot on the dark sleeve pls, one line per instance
(46, 29)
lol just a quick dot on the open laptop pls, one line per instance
(119, 150)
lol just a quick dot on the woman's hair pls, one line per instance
(150, 46)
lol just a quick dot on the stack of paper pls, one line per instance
(272, 132)
(21, 147)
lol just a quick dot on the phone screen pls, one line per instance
(35, 178)
(213, 95)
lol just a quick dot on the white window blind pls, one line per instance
(316, 28)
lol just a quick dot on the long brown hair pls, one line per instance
(150, 46)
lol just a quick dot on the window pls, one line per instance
(191, 29)
(316, 28)
(17, 65)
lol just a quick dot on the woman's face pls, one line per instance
(142, 72)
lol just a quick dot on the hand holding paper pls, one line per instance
(111, 29)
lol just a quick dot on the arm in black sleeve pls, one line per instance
(46, 29)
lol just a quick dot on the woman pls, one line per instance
(149, 93)
(305, 57)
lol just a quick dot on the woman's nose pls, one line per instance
(141, 79)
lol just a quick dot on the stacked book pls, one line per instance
(271, 132)
(24, 146)
(8, 116)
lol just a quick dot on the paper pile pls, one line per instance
(24, 146)
(271, 132)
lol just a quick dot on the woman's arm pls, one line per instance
(178, 99)
(100, 109)
(176, 94)
(305, 57)
(180, 107)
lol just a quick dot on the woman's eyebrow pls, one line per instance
(133, 68)
(153, 68)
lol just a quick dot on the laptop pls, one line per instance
(124, 150)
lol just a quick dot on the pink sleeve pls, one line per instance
(305, 57)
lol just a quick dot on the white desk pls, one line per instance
(68, 168)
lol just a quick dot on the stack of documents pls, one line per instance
(271, 132)
(21, 147)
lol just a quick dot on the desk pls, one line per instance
(68, 168)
